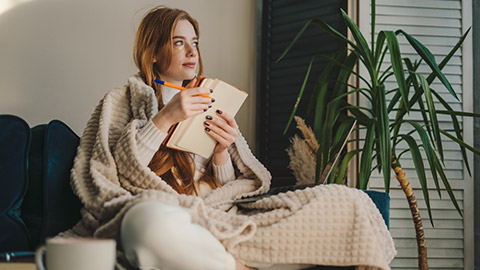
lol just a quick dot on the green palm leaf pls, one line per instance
(456, 126)
(383, 130)
(396, 60)
(344, 165)
(432, 75)
(429, 151)
(460, 142)
(379, 51)
(413, 79)
(428, 57)
(433, 114)
(366, 158)
(320, 96)
(439, 168)
(362, 47)
(300, 94)
(449, 55)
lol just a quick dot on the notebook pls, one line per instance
(189, 135)
(277, 190)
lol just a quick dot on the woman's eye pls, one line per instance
(195, 43)
(178, 43)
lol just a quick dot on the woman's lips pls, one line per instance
(190, 64)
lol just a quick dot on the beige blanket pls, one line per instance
(327, 225)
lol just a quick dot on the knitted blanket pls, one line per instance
(327, 225)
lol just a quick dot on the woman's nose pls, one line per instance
(191, 50)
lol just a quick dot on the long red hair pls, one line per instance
(153, 38)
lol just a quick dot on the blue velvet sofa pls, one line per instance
(36, 200)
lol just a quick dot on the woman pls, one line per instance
(168, 50)
(173, 210)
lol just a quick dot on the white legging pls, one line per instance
(159, 236)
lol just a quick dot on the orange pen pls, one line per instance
(176, 86)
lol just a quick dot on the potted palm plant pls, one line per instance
(381, 133)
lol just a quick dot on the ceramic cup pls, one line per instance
(77, 254)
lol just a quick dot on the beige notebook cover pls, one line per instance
(189, 135)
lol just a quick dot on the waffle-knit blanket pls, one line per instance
(327, 225)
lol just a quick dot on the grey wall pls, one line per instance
(59, 57)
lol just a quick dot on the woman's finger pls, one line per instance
(197, 91)
(200, 100)
(228, 118)
(199, 107)
(221, 124)
(213, 132)
(220, 131)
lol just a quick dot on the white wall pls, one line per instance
(59, 57)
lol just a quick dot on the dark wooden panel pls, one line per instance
(279, 83)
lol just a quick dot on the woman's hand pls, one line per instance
(184, 104)
(223, 128)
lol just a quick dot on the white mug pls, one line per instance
(77, 254)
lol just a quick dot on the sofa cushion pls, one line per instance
(50, 206)
(61, 204)
(32, 207)
(14, 145)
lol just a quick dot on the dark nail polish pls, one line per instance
(204, 110)
(213, 100)
(209, 106)
(211, 90)
(219, 112)
(207, 129)
(209, 117)
(206, 123)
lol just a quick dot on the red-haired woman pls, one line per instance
(166, 48)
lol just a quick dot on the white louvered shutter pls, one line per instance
(438, 25)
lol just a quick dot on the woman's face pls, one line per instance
(184, 61)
